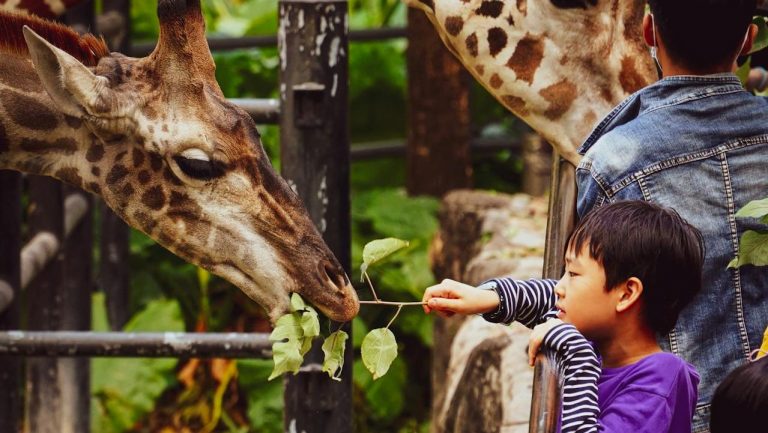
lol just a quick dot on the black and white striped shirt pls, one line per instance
(532, 302)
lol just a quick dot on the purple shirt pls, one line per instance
(656, 395)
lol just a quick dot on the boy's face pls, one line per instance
(582, 298)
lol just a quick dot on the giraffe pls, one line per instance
(41, 8)
(559, 65)
(157, 140)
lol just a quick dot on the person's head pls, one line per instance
(701, 35)
(740, 402)
(629, 259)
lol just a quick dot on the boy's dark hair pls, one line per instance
(740, 403)
(654, 244)
(701, 34)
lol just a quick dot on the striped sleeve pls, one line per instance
(529, 302)
(579, 370)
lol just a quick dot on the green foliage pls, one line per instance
(753, 246)
(384, 397)
(124, 390)
(378, 249)
(265, 398)
(292, 336)
(333, 349)
(761, 41)
(379, 349)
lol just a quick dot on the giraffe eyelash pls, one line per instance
(201, 169)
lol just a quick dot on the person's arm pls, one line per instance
(529, 302)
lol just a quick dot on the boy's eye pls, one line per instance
(572, 274)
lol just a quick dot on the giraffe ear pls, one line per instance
(73, 87)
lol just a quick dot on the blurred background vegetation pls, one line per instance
(168, 294)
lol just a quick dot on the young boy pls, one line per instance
(631, 267)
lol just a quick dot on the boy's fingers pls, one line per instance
(445, 304)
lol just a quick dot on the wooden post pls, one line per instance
(114, 276)
(11, 413)
(44, 395)
(438, 157)
(314, 144)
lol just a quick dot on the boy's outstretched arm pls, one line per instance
(451, 297)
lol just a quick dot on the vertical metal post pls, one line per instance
(314, 143)
(45, 406)
(10, 246)
(114, 274)
(545, 403)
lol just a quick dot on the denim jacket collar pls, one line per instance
(667, 91)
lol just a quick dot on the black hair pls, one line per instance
(649, 242)
(740, 402)
(701, 34)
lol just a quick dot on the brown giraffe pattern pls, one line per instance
(156, 138)
(40, 8)
(559, 65)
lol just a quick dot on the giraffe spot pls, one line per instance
(127, 191)
(511, 20)
(151, 114)
(526, 59)
(93, 187)
(95, 153)
(18, 74)
(560, 97)
(69, 175)
(453, 25)
(138, 158)
(629, 77)
(522, 6)
(66, 145)
(490, 8)
(116, 174)
(4, 146)
(119, 157)
(179, 199)
(471, 43)
(144, 177)
(145, 221)
(155, 161)
(497, 40)
(96, 171)
(573, 4)
(28, 112)
(496, 81)
(154, 198)
(165, 127)
(73, 122)
(166, 239)
(516, 104)
(480, 69)
(590, 119)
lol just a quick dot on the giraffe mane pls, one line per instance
(87, 48)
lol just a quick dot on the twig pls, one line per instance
(395, 304)
(393, 319)
(367, 278)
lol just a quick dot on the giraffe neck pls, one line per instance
(36, 138)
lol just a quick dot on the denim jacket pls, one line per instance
(697, 144)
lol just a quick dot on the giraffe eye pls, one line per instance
(196, 164)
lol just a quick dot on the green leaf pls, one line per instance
(333, 348)
(384, 398)
(754, 209)
(377, 250)
(297, 303)
(743, 71)
(265, 399)
(287, 327)
(379, 349)
(753, 250)
(310, 324)
(287, 358)
(761, 40)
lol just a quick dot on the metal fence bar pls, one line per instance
(128, 344)
(270, 41)
(263, 111)
(544, 401)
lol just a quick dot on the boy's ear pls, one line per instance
(629, 294)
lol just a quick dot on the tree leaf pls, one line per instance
(310, 324)
(754, 209)
(761, 40)
(297, 303)
(379, 349)
(286, 357)
(753, 250)
(287, 327)
(333, 348)
(743, 71)
(378, 249)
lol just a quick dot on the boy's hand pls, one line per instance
(537, 337)
(451, 297)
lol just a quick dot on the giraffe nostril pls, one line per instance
(334, 273)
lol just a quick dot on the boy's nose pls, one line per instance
(560, 289)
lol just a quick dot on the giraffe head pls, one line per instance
(164, 148)
(560, 65)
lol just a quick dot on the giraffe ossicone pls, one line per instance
(559, 65)
(156, 138)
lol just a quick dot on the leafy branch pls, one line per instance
(294, 332)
